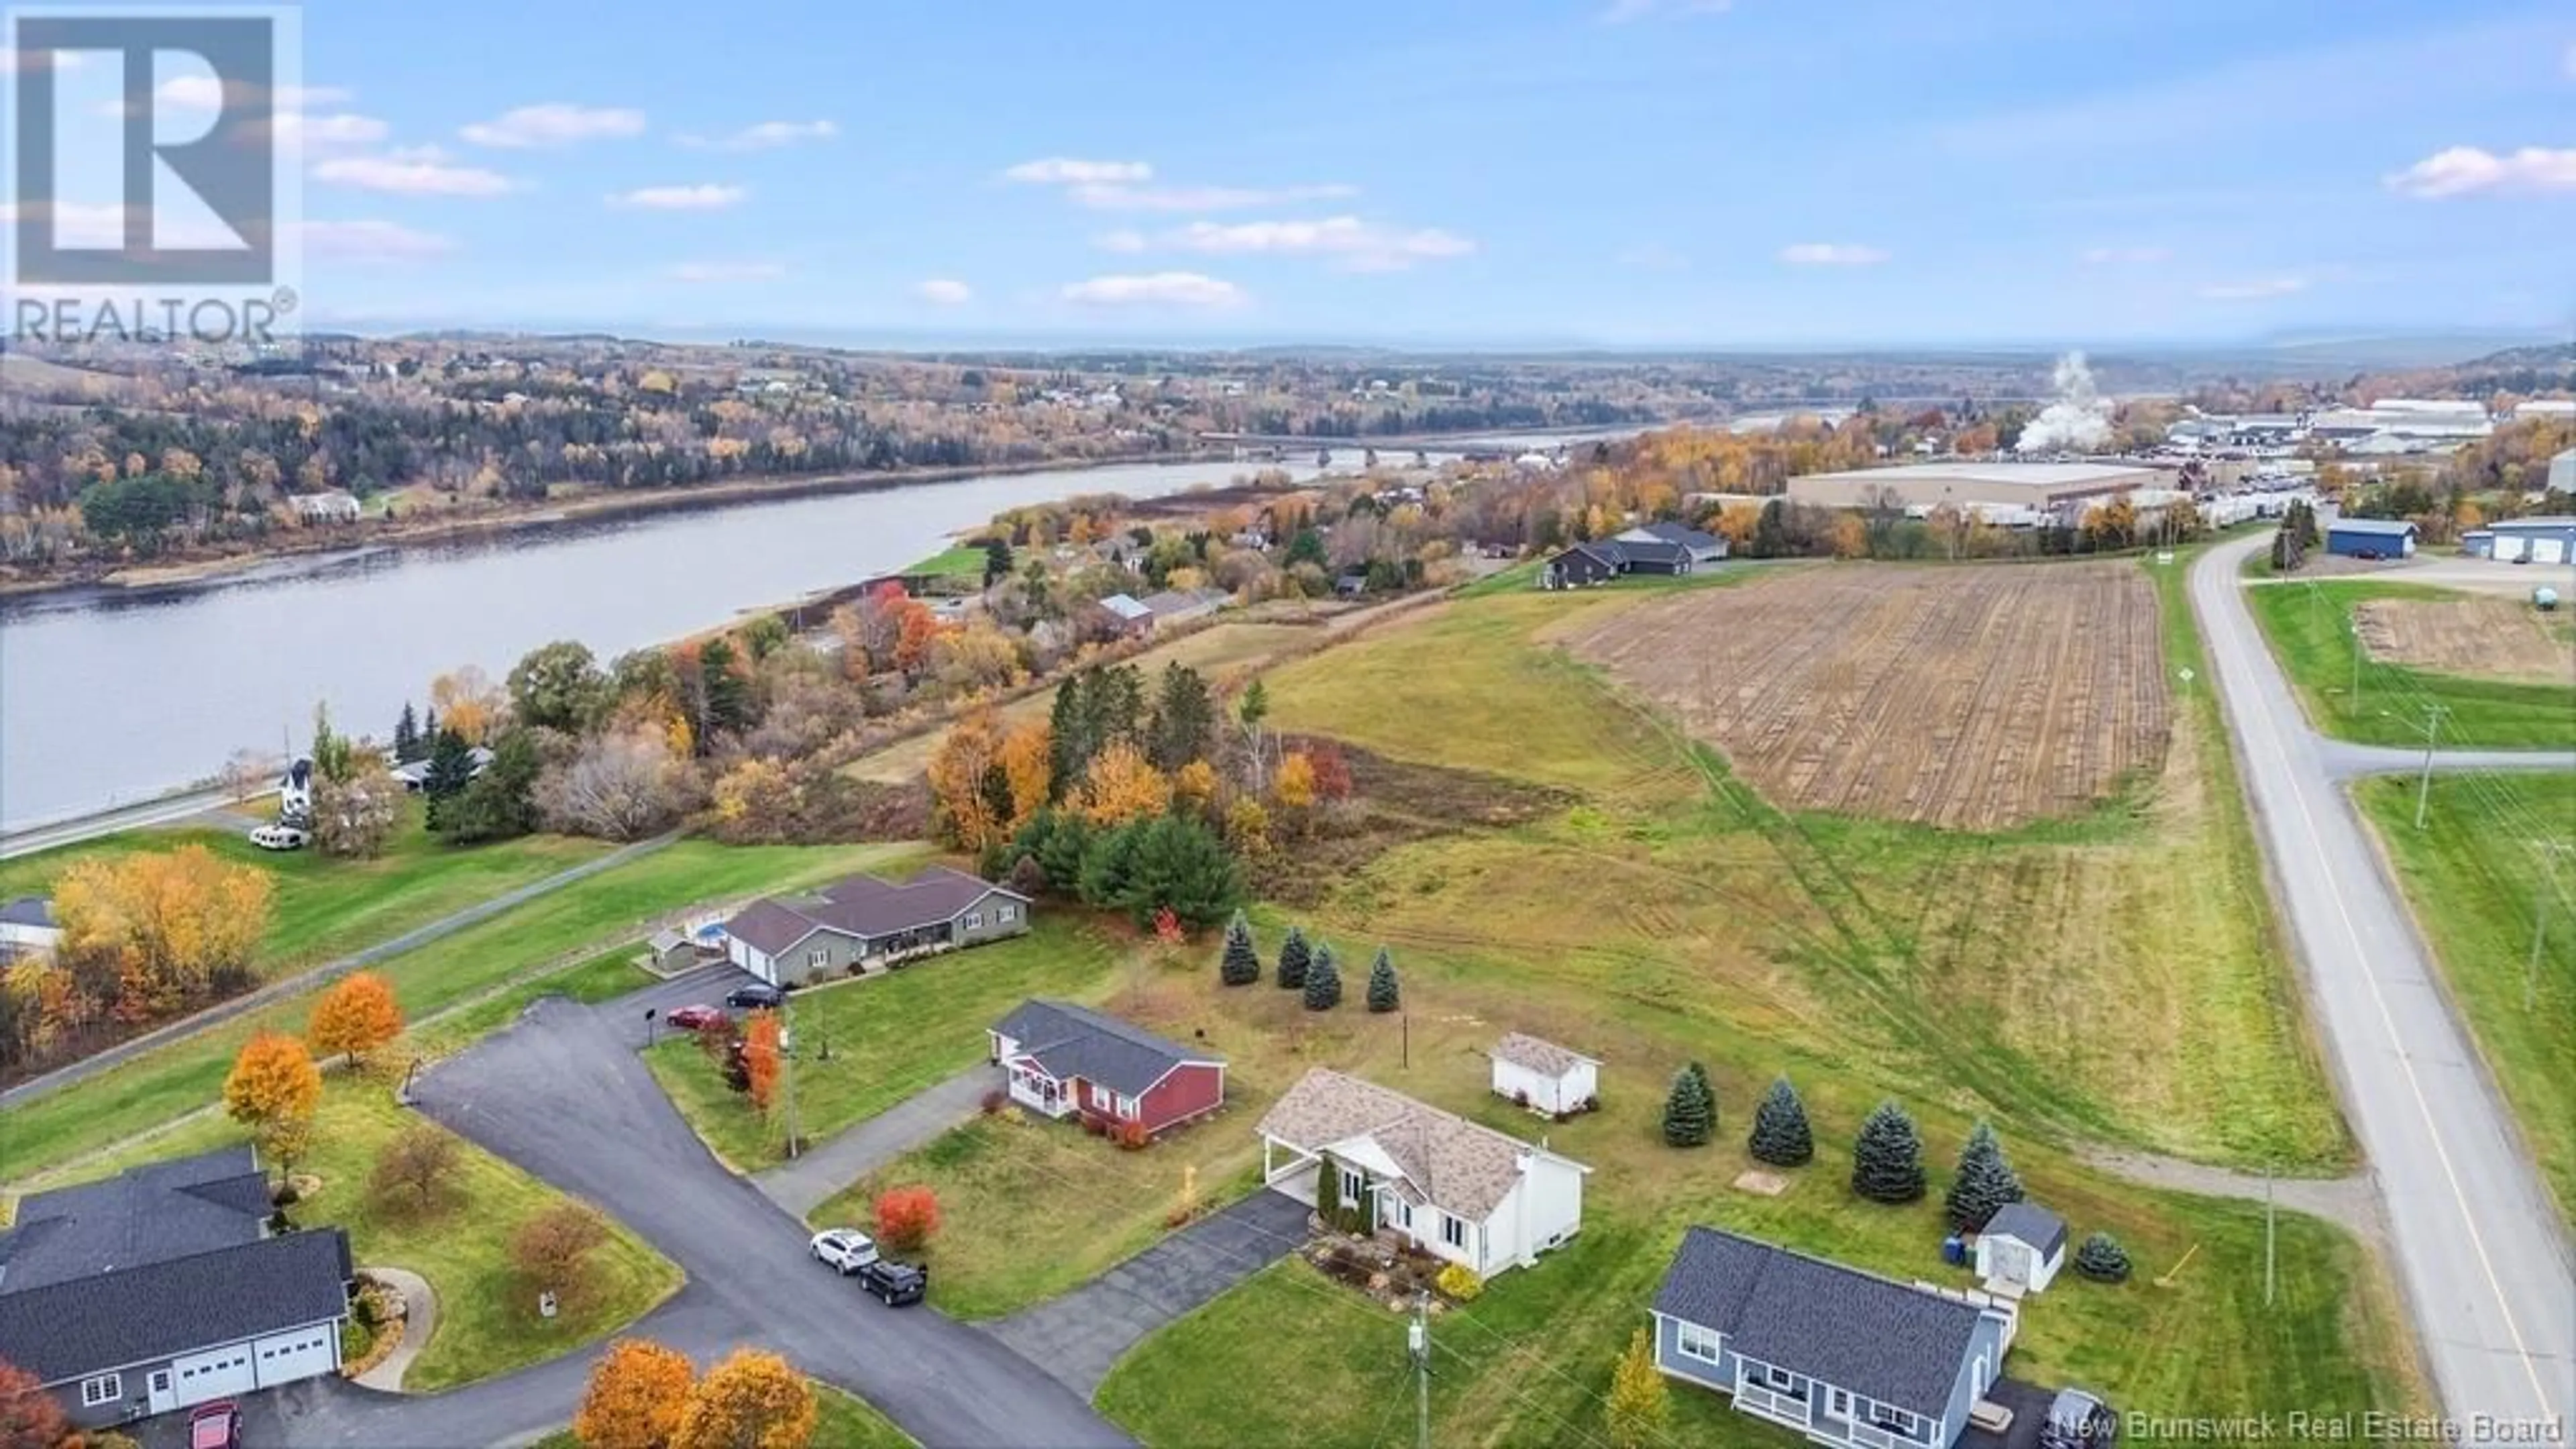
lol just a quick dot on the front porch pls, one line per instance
(1039, 1092)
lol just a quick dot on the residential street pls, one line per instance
(2480, 1253)
(801, 1186)
(562, 1094)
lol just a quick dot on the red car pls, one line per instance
(215, 1426)
(696, 1018)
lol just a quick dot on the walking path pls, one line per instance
(287, 988)
(2349, 1202)
(802, 1185)
(419, 1321)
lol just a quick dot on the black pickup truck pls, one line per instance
(895, 1284)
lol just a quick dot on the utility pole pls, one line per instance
(2424, 787)
(787, 1074)
(2356, 668)
(2541, 890)
(1418, 1340)
(2268, 1226)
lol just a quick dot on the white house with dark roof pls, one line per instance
(1543, 1076)
(1842, 1356)
(2021, 1248)
(163, 1287)
(1449, 1186)
(861, 923)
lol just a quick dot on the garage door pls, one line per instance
(2548, 550)
(213, 1374)
(300, 1355)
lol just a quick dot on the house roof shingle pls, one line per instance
(1874, 1336)
(861, 905)
(82, 1326)
(161, 1210)
(1075, 1041)
(2032, 1224)
(1680, 534)
(1461, 1167)
(28, 911)
(1545, 1057)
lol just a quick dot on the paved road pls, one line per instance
(2344, 759)
(143, 814)
(801, 1186)
(2480, 1252)
(1078, 1336)
(562, 1094)
(303, 982)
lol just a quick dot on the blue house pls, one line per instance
(1842, 1356)
(2374, 537)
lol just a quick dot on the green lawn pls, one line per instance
(2310, 627)
(2474, 876)
(962, 562)
(326, 908)
(888, 1036)
(604, 977)
(581, 918)
(841, 1421)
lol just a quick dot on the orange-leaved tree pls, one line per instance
(356, 1016)
(760, 1056)
(752, 1400)
(1294, 786)
(638, 1390)
(169, 927)
(274, 1087)
(968, 783)
(30, 1418)
(1121, 786)
(906, 1217)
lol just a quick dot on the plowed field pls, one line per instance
(2481, 637)
(1966, 698)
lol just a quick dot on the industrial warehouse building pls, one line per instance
(2541, 540)
(2371, 537)
(2038, 487)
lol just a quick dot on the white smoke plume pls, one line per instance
(2079, 421)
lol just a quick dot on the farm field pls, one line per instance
(2475, 880)
(575, 922)
(1965, 698)
(2311, 629)
(2477, 635)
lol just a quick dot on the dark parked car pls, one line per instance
(2077, 1420)
(895, 1284)
(695, 1018)
(755, 995)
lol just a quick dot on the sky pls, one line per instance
(1615, 173)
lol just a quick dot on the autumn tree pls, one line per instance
(467, 702)
(354, 814)
(638, 1391)
(1121, 785)
(552, 1250)
(1640, 1406)
(1195, 784)
(168, 927)
(753, 798)
(356, 1016)
(916, 628)
(752, 1400)
(760, 1057)
(970, 788)
(274, 1088)
(30, 1418)
(413, 1170)
(1028, 771)
(906, 1217)
(621, 785)
(557, 686)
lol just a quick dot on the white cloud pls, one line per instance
(1172, 289)
(1124, 239)
(370, 241)
(1360, 245)
(728, 272)
(2465, 170)
(1107, 196)
(414, 171)
(320, 133)
(87, 225)
(2125, 256)
(555, 124)
(765, 136)
(1068, 171)
(944, 291)
(1832, 254)
(2254, 289)
(1620, 12)
(706, 196)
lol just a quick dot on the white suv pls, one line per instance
(846, 1249)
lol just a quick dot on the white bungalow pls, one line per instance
(1543, 1076)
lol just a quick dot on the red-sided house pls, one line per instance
(1066, 1060)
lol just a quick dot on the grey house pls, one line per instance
(865, 924)
(1842, 1356)
(1703, 547)
(164, 1287)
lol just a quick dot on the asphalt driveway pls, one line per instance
(562, 1094)
(1078, 1336)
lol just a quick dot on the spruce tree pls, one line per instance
(1293, 960)
(1690, 1110)
(407, 736)
(1323, 979)
(1384, 994)
(1985, 1182)
(1887, 1161)
(2102, 1259)
(1780, 1135)
(1241, 964)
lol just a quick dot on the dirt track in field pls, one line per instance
(1967, 698)
(2489, 638)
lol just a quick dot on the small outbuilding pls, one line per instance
(1543, 1076)
(2021, 1249)
(2371, 537)
(671, 950)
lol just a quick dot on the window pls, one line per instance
(1896, 1421)
(1780, 1378)
(818, 959)
(1838, 1403)
(974, 920)
(1352, 1185)
(105, 1389)
(1127, 1106)
(1006, 913)
(1453, 1230)
(1696, 1342)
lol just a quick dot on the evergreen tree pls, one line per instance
(1184, 722)
(1061, 851)
(1293, 960)
(1118, 697)
(406, 736)
(997, 560)
(1690, 1109)
(2102, 1259)
(1241, 964)
(1109, 866)
(1985, 1182)
(1181, 864)
(1887, 1161)
(728, 693)
(1384, 994)
(451, 769)
(1065, 742)
(1323, 980)
(1780, 1135)
(498, 804)
(428, 724)
(1328, 1190)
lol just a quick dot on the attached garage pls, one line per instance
(213, 1374)
(303, 1354)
